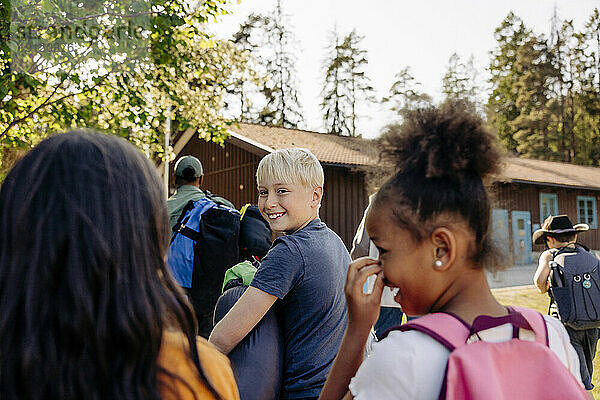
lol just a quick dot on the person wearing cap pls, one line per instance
(557, 232)
(189, 176)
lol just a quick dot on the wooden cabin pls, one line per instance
(526, 191)
(229, 171)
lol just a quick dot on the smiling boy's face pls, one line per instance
(288, 207)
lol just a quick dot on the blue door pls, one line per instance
(521, 230)
(500, 230)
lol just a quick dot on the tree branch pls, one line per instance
(94, 16)
(46, 103)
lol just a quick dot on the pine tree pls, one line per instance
(532, 126)
(282, 105)
(590, 38)
(246, 87)
(334, 102)
(588, 99)
(346, 84)
(271, 96)
(359, 85)
(405, 93)
(546, 92)
(461, 81)
(575, 96)
(561, 47)
(501, 107)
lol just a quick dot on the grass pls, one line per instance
(528, 296)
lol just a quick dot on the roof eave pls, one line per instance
(343, 165)
(248, 144)
(262, 150)
(527, 182)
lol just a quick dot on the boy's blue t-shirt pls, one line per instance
(307, 271)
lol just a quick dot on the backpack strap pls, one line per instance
(243, 210)
(189, 206)
(447, 329)
(452, 332)
(583, 246)
(218, 199)
(565, 249)
(181, 228)
(208, 194)
(558, 279)
(536, 322)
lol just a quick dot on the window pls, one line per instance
(586, 211)
(548, 205)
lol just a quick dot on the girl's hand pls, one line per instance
(363, 309)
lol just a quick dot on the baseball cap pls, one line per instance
(188, 167)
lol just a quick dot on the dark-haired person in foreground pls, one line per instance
(88, 307)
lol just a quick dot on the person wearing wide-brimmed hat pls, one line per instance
(555, 225)
(557, 232)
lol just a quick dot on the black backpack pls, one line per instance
(203, 246)
(255, 234)
(575, 287)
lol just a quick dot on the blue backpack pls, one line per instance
(203, 246)
(575, 287)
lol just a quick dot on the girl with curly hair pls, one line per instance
(430, 223)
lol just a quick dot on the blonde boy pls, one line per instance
(303, 274)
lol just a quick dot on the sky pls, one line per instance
(419, 34)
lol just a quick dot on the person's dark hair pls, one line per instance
(563, 237)
(85, 294)
(188, 177)
(442, 155)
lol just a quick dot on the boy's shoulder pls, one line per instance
(310, 236)
(310, 239)
(548, 254)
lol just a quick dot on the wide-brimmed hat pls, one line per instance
(557, 224)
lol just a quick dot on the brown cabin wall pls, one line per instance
(229, 171)
(344, 201)
(524, 197)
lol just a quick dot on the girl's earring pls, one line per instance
(438, 263)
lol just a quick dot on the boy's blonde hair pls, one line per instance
(295, 165)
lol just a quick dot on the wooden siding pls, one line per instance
(524, 197)
(230, 172)
(344, 201)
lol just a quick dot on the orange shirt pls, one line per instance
(174, 358)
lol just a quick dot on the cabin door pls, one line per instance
(500, 230)
(521, 230)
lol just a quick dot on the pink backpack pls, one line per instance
(515, 369)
